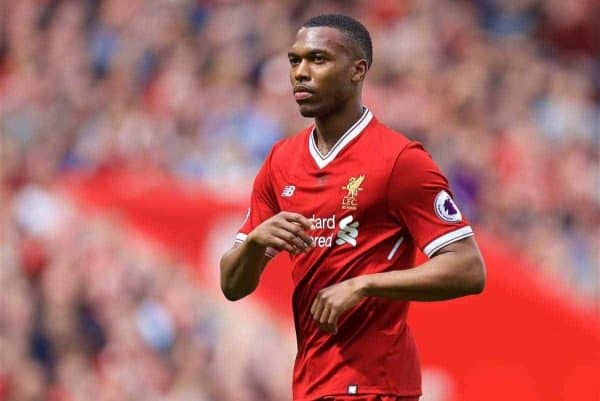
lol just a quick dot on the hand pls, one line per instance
(286, 231)
(334, 300)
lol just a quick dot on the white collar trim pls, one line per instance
(349, 135)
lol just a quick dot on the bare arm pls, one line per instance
(242, 265)
(455, 271)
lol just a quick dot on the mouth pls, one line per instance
(303, 93)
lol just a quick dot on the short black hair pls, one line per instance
(349, 27)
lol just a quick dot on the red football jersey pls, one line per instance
(374, 198)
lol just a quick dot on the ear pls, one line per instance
(360, 69)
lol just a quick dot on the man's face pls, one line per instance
(321, 69)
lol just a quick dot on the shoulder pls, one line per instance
(396, 143)
(415, 168)
(389, 135)
(389, 144)
(406, 159)
(414, 157)
(289, 147)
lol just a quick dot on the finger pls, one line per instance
(313, 307)
(324, 315)
(297, 231)
(317, 309)
(330, 328)
(299, 241)
(307, 224)
(333, 317)
(330, 318)
(331, 322)
(295, 228)
(327, 327)
(281, 245)
(291, 239)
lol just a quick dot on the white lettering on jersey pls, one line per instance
(347, 234)
(348, 231)
(323, 241)
(324, 222)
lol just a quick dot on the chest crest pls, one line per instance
(353, 187)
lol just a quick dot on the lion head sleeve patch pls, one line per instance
(446, 209)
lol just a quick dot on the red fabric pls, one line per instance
(368, 397)
(415, 184)
(519, 339)
(379, 190)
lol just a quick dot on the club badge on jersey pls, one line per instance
(350, 200)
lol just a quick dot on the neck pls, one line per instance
(330, 128)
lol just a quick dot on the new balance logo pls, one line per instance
(288, 191)
(348, 231)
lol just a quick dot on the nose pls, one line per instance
(302, 72)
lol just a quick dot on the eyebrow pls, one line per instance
(310, 53)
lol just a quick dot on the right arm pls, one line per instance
(242, 265)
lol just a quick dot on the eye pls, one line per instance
(294, 61)
(318, 58)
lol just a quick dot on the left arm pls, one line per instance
(454, 271)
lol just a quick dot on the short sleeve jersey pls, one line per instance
(375, 198)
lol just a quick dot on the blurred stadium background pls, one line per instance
(131, 131)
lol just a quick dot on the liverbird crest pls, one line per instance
(354, 185)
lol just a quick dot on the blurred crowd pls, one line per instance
(504, 94)
(90, 312)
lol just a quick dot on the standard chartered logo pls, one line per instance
(347, 231)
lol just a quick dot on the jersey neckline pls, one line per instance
(352, 132)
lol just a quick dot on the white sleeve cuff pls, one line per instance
(241, 237)
(447, 239)
(270, 252)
